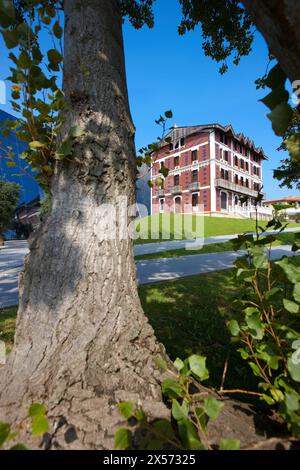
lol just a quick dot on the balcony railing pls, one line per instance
(161, 192)
(176, 189)
(194, 186)
(238, 188)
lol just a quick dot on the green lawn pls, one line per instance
(283, 239)
(7, 326)
(189, 317)
(187, 226)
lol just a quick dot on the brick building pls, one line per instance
(210, 169)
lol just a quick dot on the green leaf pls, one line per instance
(11, 38)
(57, 30)
(189, 435)
(291, 401)
(276, 77)
(255, 369)
(164, 428)
(212, 407)
(293, 145)
(178, 412)
(296, 292)
(126, 409)
(35, 144)
(292, 272)
(294, 369)
(290, 306)
(161, 363)
(169, 114)
(179, 364)
(76, 132)
(273, 293)
(7, 13)
(123, 439)
(198, 367)
(54, 56)
(277, 96)
(171, 388)
(24, 60)
(234, 327)
(229, 444)
(281, 118)
(65, 149)
(4, 432)
(36, 409)
(39, 425)
(254, 323)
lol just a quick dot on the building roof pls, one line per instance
(289, 199)
(177, 132)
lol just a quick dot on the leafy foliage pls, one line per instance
(9, 196)
(266, 321)
(191, 405)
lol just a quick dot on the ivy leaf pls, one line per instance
(36, 409)
(123, 439)
(291, 402)
(198, 367)
(229, 444)
(179, 364)
(294, 369)
(281, 118)
(126, 409)
(290, 306)
(254, 323)
(212, 407)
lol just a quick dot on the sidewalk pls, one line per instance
(156, 247)
(165, 269)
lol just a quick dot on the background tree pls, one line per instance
(9, 196)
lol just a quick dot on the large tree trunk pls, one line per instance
(83, 343)
(278, 21)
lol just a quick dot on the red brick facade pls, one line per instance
(210, 169)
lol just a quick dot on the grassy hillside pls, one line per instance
(188, 226)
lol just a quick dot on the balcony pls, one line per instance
(176, 189)
(238, 188)
(195, 186)
(161, 192)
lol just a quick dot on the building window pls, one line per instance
(195, 199)
(177, 204)
(221, 154)
(236, 200)
(194, 155)
(236, 161)
(171, 146)
(223, 200)
(242, 164)
(242, 181)
(224, 174)
(247, 183)
(256, 170)
(176, 180)
(247, 166)
(182, 142)
(223, 138)
(226, 155)
(162, 205)
(236, 179)
(194, 176)
(176, 161)
(241, 149)
(235, 145)
(256, 187)
(177, 144)
(162, 183)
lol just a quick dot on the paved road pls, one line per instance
(147, 248)
(11, 263)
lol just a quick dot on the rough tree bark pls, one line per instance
(83, 342)
(278, 21)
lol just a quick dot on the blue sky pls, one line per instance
(168, 71)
